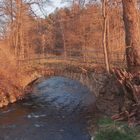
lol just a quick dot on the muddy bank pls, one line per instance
(10, 90)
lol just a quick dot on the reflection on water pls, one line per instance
(57, 109)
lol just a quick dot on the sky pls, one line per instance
(49, 8)
(52, 5)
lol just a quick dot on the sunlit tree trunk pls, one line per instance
(132, 37)
(104, 41)
(19, 46)
(17, 34)
(63, 36)
(11, 37)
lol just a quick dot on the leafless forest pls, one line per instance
(74, 33)
(87, 32)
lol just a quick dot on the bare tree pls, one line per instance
(132, 37)
(104, 11)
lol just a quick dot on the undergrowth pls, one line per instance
(110, 130)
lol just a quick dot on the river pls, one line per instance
(58, 108)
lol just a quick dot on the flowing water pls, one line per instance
(57, 109)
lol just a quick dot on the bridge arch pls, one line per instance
(85, 77)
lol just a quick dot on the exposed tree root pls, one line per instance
(131, 87)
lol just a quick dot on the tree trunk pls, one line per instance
(63, 36)
(132, 37)
(104, 41)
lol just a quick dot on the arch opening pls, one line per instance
(63, 93)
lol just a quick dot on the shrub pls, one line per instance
(110, 130)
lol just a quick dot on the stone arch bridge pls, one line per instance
(101, 84)
(86, 71)
(89, 74)
(85, 74)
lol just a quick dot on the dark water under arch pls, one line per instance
(57, 109)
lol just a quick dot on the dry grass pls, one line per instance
(11, 87)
